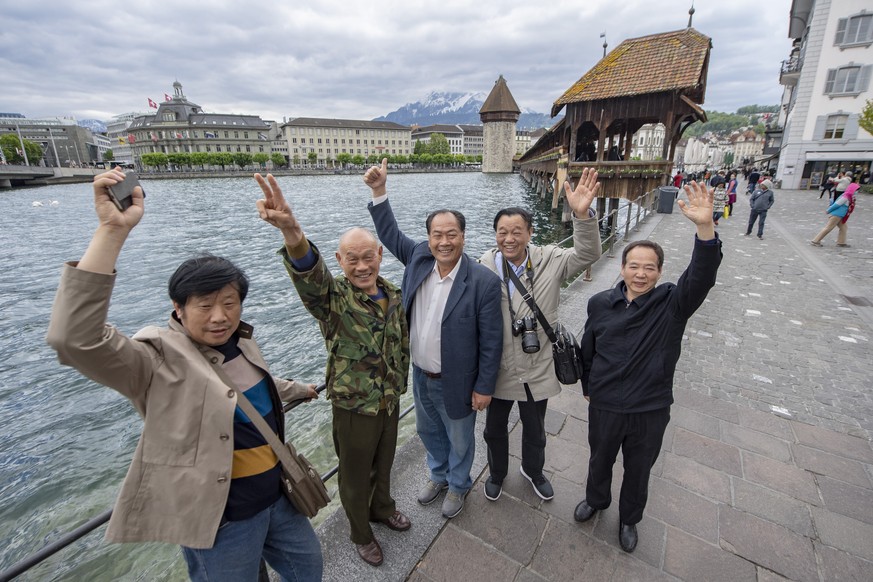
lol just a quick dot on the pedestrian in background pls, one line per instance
(732, 193)
(761, 201)
(838, 214)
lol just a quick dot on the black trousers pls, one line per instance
(639, 436)
(533, 435)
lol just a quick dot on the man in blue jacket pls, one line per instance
(630, 347)
(456, 339)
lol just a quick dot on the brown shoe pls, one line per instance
(371, 553)
(397, 521)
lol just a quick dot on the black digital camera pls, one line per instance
(526, 327)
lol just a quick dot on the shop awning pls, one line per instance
(839, 156)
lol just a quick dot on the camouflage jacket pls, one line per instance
(367, 349)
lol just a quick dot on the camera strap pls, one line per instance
(528, 298)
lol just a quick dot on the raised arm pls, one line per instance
(698, 209)
(274, 209)
(397, 243)
(113, 225)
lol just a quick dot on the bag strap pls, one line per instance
(285, 454)
(528, 298)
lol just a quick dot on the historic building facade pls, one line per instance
(180, 126)
(826, 83)
(328, 138)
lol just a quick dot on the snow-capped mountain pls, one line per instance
(95, 125)
(454, 108)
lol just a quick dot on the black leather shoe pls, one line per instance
(371, 553)
(627, 537)
(583, 512)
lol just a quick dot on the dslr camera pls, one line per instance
(526, 327)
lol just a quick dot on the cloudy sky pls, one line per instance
(354, 59)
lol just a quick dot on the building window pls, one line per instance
(851, 79)
(857, 29)
(246, 135)
(225, 133)
(835, 126)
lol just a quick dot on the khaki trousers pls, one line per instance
(832, 222)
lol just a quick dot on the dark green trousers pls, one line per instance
(365, 447)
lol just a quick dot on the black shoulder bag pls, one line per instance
(565, 348)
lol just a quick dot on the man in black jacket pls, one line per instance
(630, 347)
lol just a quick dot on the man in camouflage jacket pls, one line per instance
(364, 325)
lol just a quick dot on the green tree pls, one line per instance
(12, 150)
(260, 159)
(154, 160)
(420, 147)
(752, 109)
(438, 144)
(865, 120)
(374, 159)
(199, 159)
(108, 156)
(344, 159)
(459, 159)
(728, 159)
(401, 159)
(358, 160)
(312, 157)
(242, 159)
(222, 159)
(179, 159)
(296, 160)
(278, 159)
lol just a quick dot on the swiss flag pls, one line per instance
(167, 97)
(152, 104)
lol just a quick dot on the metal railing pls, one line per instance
(95, 522)
(644, 204)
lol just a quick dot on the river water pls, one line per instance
(66, 442)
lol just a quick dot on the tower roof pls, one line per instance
(669, 61)
(500, 99)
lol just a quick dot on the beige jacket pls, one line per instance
(552, 265)
(177, 484)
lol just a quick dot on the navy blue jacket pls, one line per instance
(472, 325)
(630, 350)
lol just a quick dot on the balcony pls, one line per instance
(790, 72)
(772, 140)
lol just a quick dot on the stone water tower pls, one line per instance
(499, 114)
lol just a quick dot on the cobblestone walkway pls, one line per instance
(766, 472)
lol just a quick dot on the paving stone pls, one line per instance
(833, 442)
(510, 526)
(849, 500)
(417, 576)
(837, 565)
(706, 404)
(566, 457)
(701, 479)
(834, 466)
(765, 575)
(554, 421)
(650, 547)
(782, 477)
(694, 421)
(768, 544)
(525, 575)
(707, 451)
(628, 569)
(690, 558)
(575, 431)
(454, 551)
(772, 506)
(566, 554)
(766, 422)
(567, 495)
(683, 509)
(756, 442)
(570, 402)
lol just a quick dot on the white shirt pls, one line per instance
(425, 329)
(519, 270)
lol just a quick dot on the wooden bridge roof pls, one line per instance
(669, 61)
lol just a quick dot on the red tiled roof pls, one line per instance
(668, 61)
